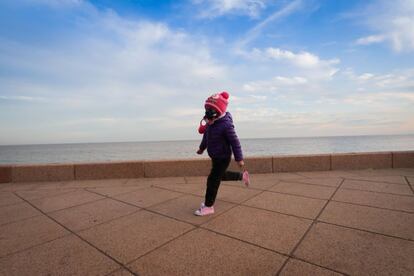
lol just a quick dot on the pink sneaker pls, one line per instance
(246, 178)
(204, 210)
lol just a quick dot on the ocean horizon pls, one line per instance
(186, 149)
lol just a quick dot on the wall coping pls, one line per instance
(198, 167)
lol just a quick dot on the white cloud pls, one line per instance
(392, 22)
(141, 60)
(308, 64)
(285, 11)
(216, 8)
(365, 76)
(137, 80)
(112, 68)
(381, 100)
(398, 80)
(55, 3)
(275, 84)
(22, 98)
(370, 39)
(301, 59)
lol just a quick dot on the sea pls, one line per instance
(168, 150)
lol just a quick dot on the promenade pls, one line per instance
(356, 222)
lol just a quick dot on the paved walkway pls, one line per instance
(310, 223)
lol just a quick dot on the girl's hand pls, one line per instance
(200, 151)
(241, 163)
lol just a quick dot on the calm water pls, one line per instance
(98, 152)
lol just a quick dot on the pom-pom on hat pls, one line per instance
(218, 102)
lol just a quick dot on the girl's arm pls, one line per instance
(234, 142)
(203, 144)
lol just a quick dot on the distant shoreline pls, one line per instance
(194, 140)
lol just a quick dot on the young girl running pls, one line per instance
(220, 140)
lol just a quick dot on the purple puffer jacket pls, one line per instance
(221, 139)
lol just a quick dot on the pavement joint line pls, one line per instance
(20, 220)
(236, 205)
(104, 197)
(300, 217)
(243, 203)
(198, 226)
(140, 210)
(152, 211)
(84, 240)
(315, 220)
(409, 184)
(321, 266)
(43, 197)
(244, 241)
(160, 246)
(140, 188)
(370, 206)
(376, 181)
(251, 188)
(194, 194)
(159, 203)
(104, 222)
(273, 250)
(11, 204)
(116, 270)
(131, 204)
(77, 190)
(35, 245)
(171, 217)
(277, 212)
(297, 173)
(268, 249)
(309, 184)
(320, 176)
(74, 206)
(291, 194)
(407, 195)
(230, 185)
(365, 230)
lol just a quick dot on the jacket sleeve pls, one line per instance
(234, 142)
(203, 144)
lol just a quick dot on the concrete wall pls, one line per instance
(355, 161)
(296, 163)
(201, 167)
(90, 171)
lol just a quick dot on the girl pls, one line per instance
(220, 140)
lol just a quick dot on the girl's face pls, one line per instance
(211, 114)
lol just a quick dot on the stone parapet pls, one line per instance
(403, 159)
(5, 174)
(34, 173)
(255, 165)
(201, 167)
(191, 167)
(296, 163)
(359, 161)
(89, 171)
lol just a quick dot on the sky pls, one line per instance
(75, 71)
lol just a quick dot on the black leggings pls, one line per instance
(218, 172)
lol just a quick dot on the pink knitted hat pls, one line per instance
(218, 102)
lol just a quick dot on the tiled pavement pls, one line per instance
(309, 223)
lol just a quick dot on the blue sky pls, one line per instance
(129, 70)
